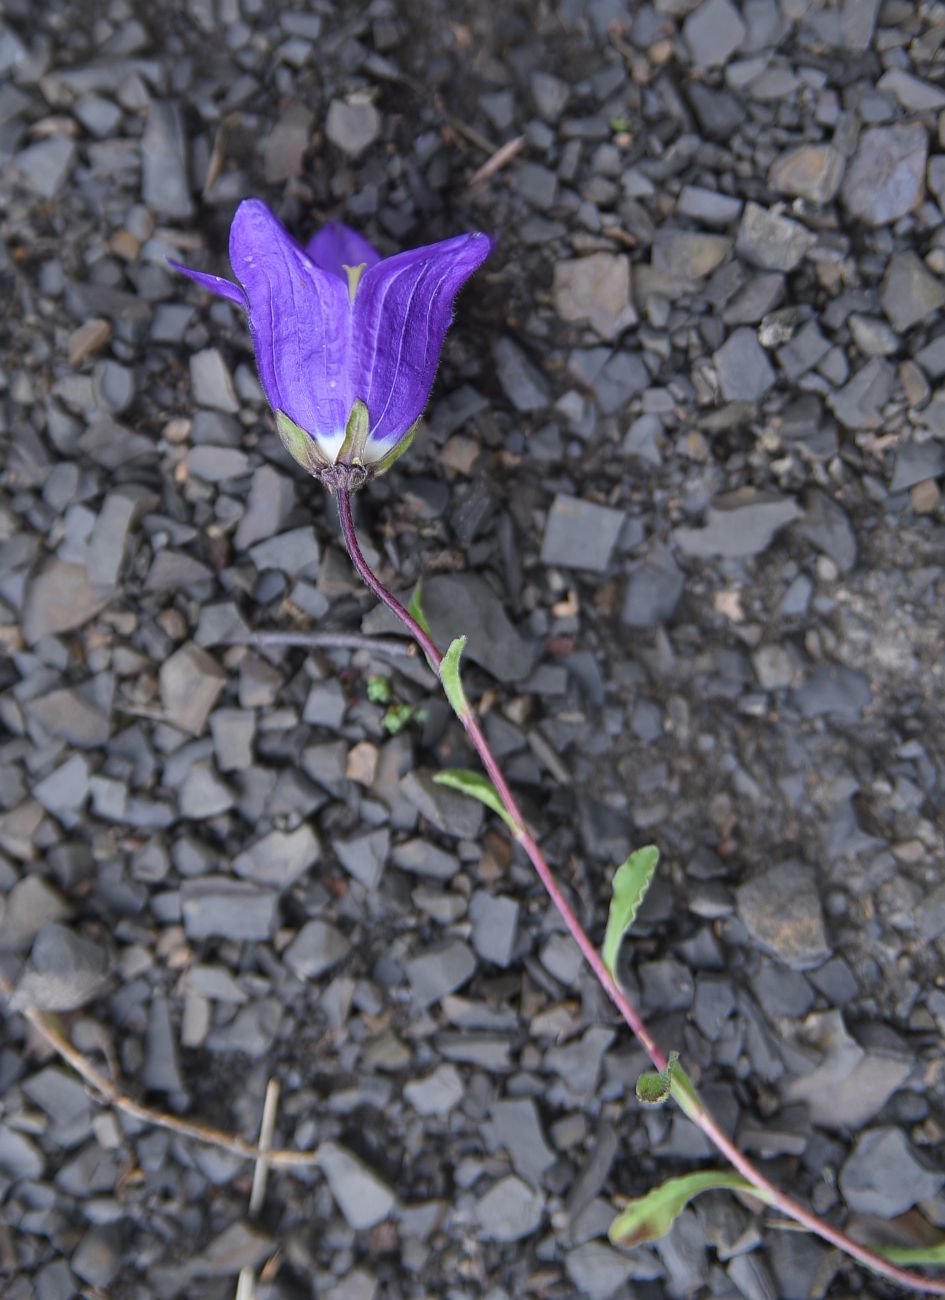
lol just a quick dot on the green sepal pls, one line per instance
(383, 465)
(351, 451)
(300, 445)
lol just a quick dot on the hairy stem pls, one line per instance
(692, 1106)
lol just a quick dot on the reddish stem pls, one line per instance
(694, 1107)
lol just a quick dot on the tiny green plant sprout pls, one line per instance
(347, 345)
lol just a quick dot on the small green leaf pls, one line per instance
(477, 786)
(631, 882)
(379, 690)
(415, 609)
(397, 717)
(654, 1088)
(651, 1216)
(912, 1254)
(449, 676)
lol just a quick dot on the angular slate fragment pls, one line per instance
(859, 404)
(810, 171)
(886, 176)
(20, 1157)
(65, 971)
(352, 125)
(885, 1176)
(316, 948)
(738, 524)
(713, 32)
(654, 589)
(595, 289)
(743, 368)
(495, 926)
(60, 598)
(580, 534)
(834, 691)
(449, 811)
(279, 858)
(436, 1093)
(509, 1211)
(770, 241)
(780, 909)
(517, 1127)
(191, 681)
(164, 182)
(826, 524)
(363, 1198)
(440, 970)
(523, 384)
(218, 907)
(46, 165)
(365, 856)
(910, 292)
(30, 904)
(464, 604)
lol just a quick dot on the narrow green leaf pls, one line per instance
(476, 786)
(912, 1254)
(631, 882)
(415, 608)
(449, 676)
(652, 1216)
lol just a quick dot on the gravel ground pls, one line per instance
(680, 483)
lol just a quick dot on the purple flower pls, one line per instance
(347, 342)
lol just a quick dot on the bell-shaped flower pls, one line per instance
(347, 342)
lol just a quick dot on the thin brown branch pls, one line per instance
(110, 1093)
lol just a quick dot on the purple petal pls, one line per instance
(215, 283)
(402, 310)
(337, 246)
(300, 318)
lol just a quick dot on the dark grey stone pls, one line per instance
(165, 186)
(770, 241)
(229, 909)
(65, 971)
(316, 948)
(838, 692)
(509, 1211)
(495, 926)
(654, 589)
(516, 1126)
(780, 908)
(580, 534)
(910, 292)
(365, 856)
(886, 176)
(739, 524)
(352, 125)
(464, 604)
(916, 462)
(440, 970)
(885, 1176)
(827, 526)
(523, 384)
